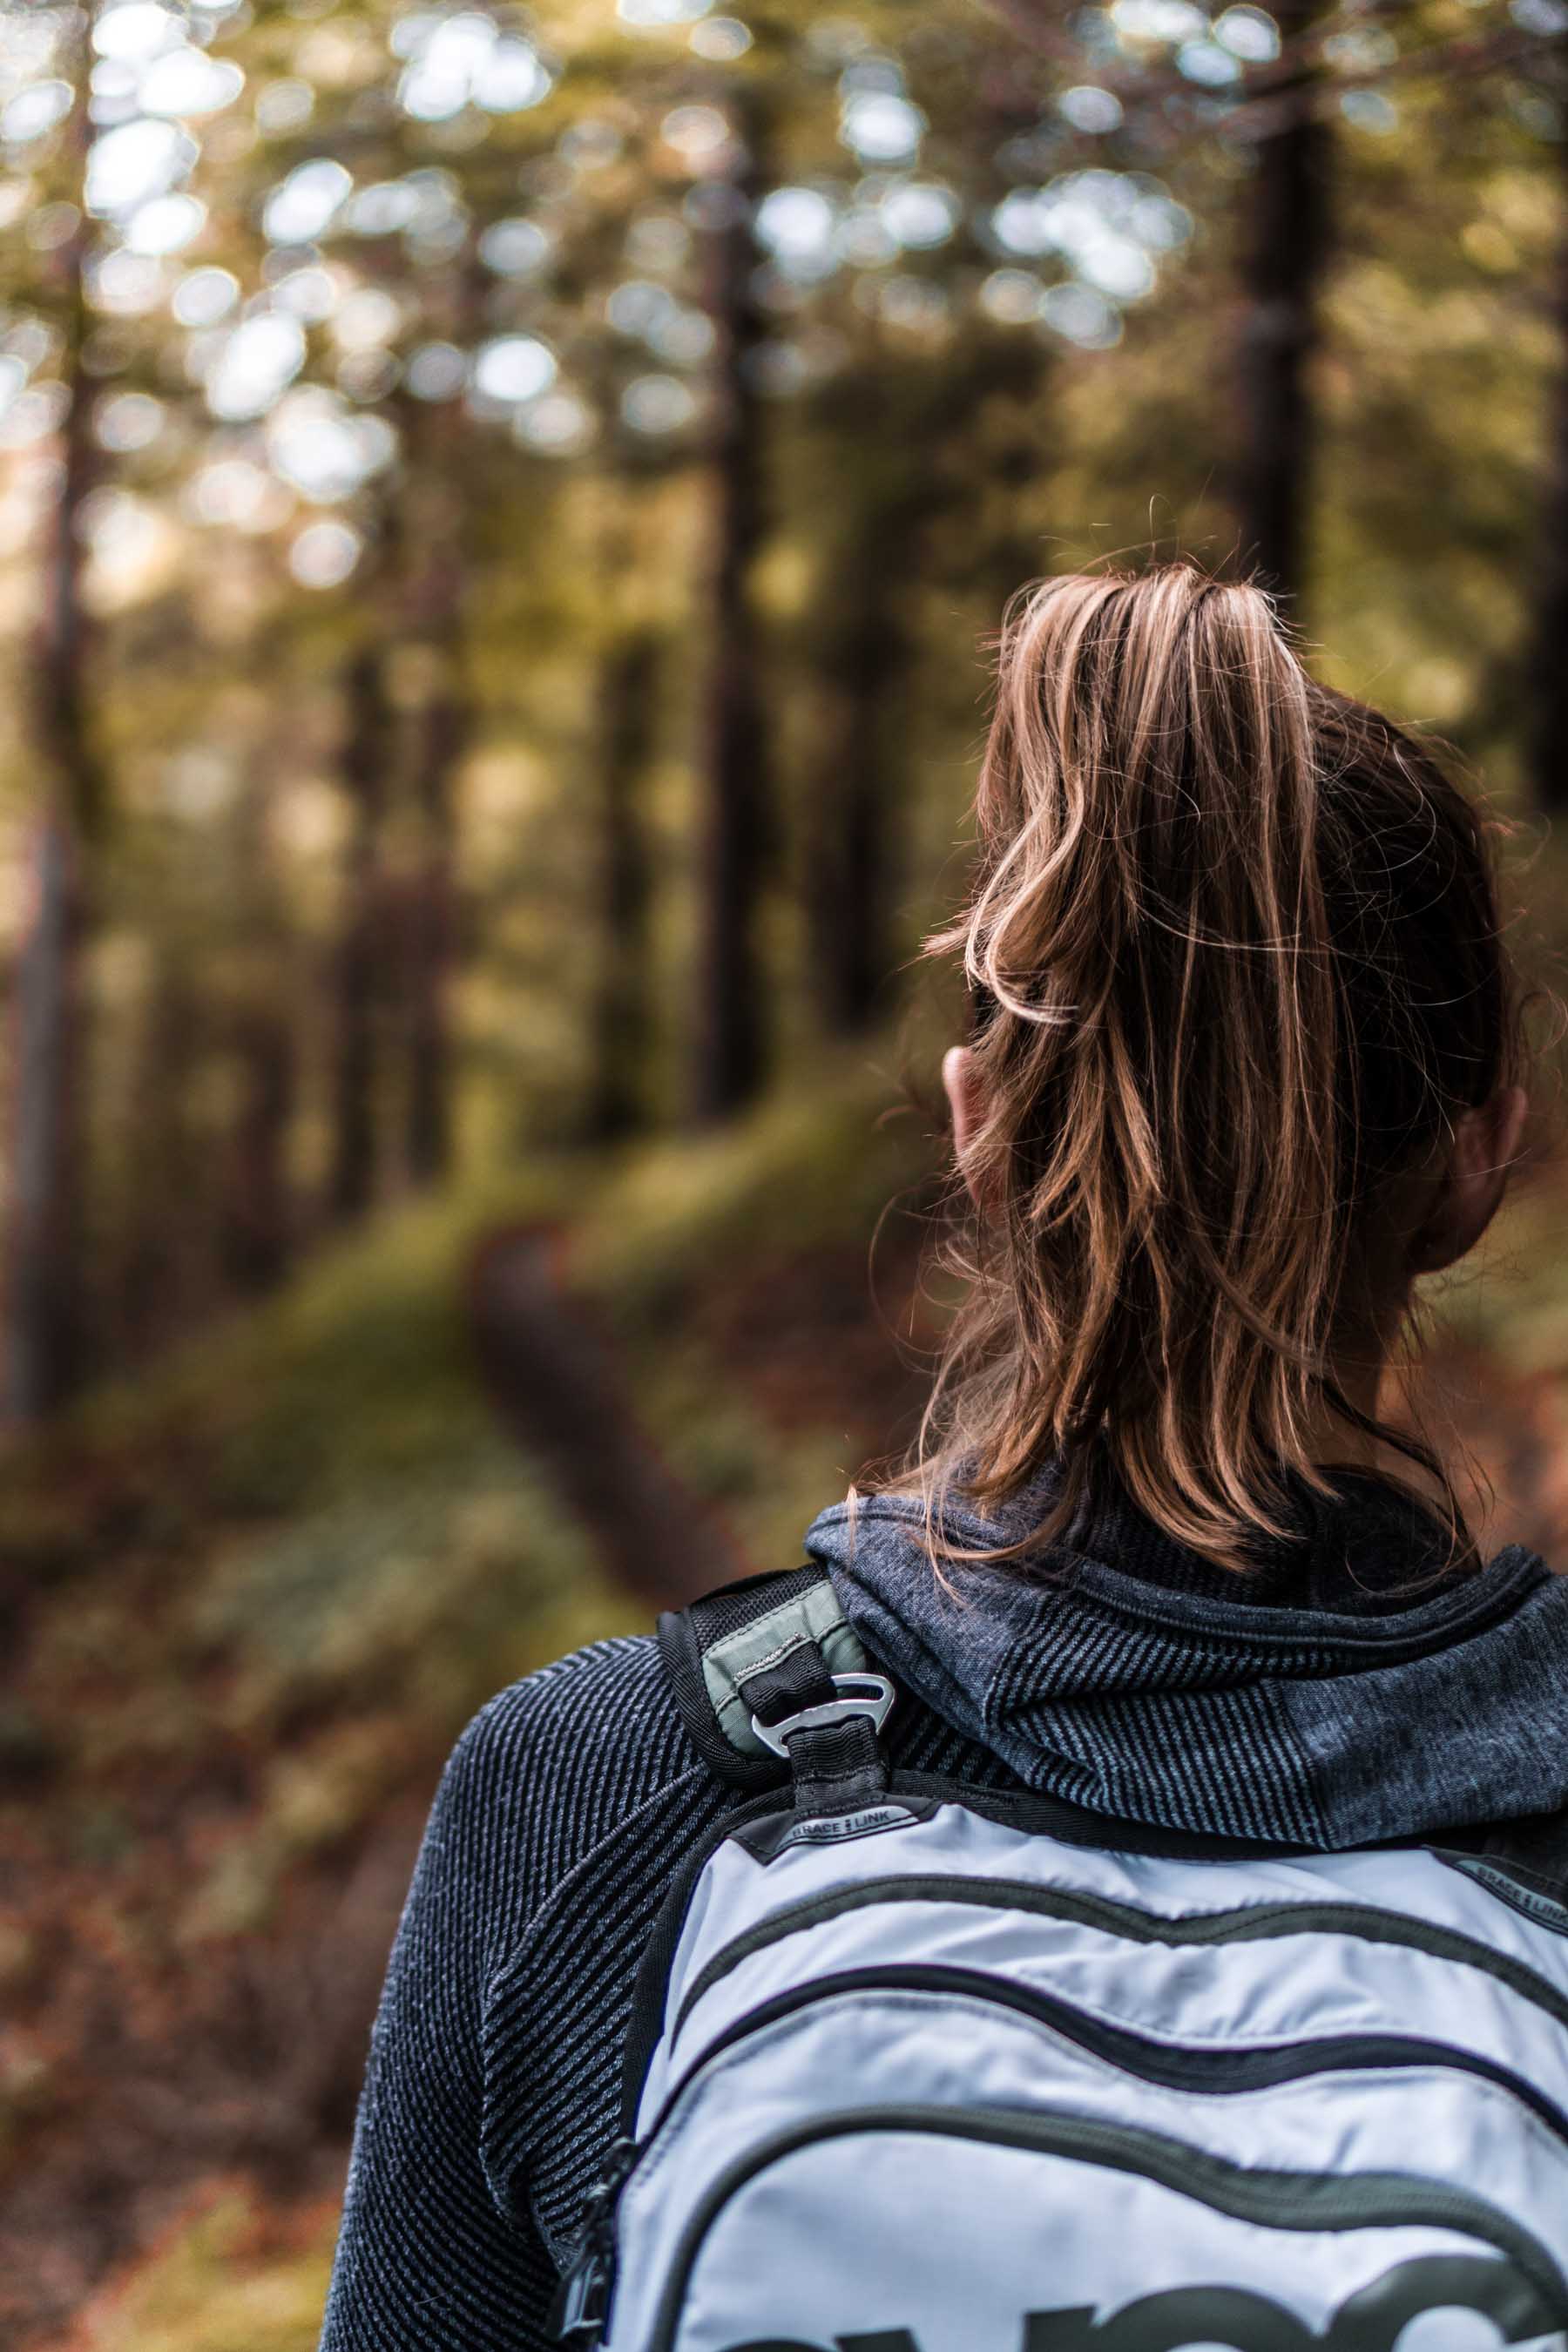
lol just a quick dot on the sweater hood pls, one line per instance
(1182, 1697)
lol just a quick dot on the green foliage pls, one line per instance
(218, 2285)
(310, 1534)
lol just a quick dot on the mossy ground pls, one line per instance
(229, 2275)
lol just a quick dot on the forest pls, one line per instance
(503, 512)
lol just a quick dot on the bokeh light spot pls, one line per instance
(1011, 297)
(325, 555)
(1250, 34)
(35, 111)
(167, 224)
(880, 126)
(436, 371)
(304, 203)
(1089, 109)
(720, 39)
(128, 420)
(254, 363)
(204, 295)
(135, 162)
(514, 248)
(513, 368)
(657, 404)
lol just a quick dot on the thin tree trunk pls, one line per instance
(444, 731)
(851, 884)
(1286, 245)
(46, 1321)
(735, 766)
(621, 1023)
(364, 769)
(1549, 664)
(166, 1268)
(258, 1218)
(256, 1207)
(868, 654)
(433, 617)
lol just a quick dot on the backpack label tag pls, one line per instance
(1514, 1884)
(766, 1840)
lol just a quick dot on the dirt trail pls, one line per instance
(556, 1383)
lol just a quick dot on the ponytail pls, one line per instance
(1233, 948)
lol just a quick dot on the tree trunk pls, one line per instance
(622, 1026)
(433, 618)
(166, 1267)
(443, 732)
(47, 1336)
(851, 884)
(357, 965)
(734, 778)
(257, 1215)
(868, 653)
(1286, 243)
(46, 1323)
(1549, 664)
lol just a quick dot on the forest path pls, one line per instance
(555, 1383)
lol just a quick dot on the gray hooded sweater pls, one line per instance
(1346, 1692)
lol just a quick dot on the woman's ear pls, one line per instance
(1485, 1145)
(960, 1080)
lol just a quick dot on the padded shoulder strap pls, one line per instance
(779, 1637)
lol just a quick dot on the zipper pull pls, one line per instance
(580, 2307)
(582, 2301)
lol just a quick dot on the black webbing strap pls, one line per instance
(839, 1769)
(836, 1768)
(798, 1681)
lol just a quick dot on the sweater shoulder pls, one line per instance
(554, 1762)
(584, 1775)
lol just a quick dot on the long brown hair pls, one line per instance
(1235, 960)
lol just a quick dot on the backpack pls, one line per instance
(918, 2066)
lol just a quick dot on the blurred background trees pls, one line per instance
(497, 507)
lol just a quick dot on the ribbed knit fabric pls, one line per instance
(492, 2090)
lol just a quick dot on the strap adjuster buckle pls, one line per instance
(866, 1695)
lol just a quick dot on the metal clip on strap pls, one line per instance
(834, 1748)
(863, 1695)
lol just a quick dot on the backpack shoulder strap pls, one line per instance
(763, 1653)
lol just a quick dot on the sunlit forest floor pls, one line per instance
(250, 1599)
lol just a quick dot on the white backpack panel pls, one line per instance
(913, 2072)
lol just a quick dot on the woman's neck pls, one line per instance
(1360, 1375)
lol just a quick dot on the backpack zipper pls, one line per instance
(1244, 1923)
(1173, 2066)
(1281, 2201)
(581, 2305)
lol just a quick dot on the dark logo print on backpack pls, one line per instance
(1371, 2320)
